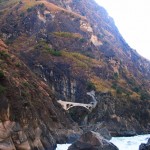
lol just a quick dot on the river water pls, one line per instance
(123, 143)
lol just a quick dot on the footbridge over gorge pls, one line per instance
(67, 105)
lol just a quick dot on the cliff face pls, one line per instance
(29, 114)
(75, 47)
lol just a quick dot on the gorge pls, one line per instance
(54, 50)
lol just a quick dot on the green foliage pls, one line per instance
(41, 5)
(42, 45)
(26, 84)
(116, 76)
(4, 55)
(119, 90)
(18, 64)
(144, 95)
(22, 14)
(2, 89)
(114, 86)
(54, 52)
(1, 74)
(100, 36)
(131, 81)
(82, 40)
(136, 89)
(90, 86)
(29, 9)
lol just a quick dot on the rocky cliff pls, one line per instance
(30, 117)
(75, 47)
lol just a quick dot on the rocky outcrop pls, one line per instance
(117, 114)
(100, 128)
(92, 141)
(145, 146)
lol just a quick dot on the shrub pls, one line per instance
(82, 40)
(1, 74)
(114, 86)
(54, 52)
(145, 96)
(90, 86)
(18, 64)
(4, 55)
(29, 9)
(116, 76)
(119, 90)
(22, 14)
(2, 89)
(136, 89)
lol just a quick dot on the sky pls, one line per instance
(132, 17)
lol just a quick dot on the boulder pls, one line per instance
(99, 127)
(145, 146)
(105, 133)
(92, 141)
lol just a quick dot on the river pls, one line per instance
(123, 143)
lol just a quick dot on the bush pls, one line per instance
(116, 76)
(29, 9)
(54, 52)
(4, 55)
(1, 74)
(136, 89)
(90, 86)
(145, 96)
(2, 89)
(82, 40)
(119, 90)
(22, 14)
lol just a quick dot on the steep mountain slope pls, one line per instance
(30, 118)
(75, 47)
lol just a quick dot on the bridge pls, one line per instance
(67, 105)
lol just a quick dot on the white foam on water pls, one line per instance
(123, 143)
(130, 143)
(62, 146)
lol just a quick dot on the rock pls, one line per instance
(92, 141)
(99, 127)
(72, 138)
(105, 133)
(145, 146)
(127, 133)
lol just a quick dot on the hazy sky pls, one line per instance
(132, 17)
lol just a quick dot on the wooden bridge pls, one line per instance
(67, 105)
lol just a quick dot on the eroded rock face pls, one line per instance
(145, 146)
(117, 115)
(30, 117)
(92, 141)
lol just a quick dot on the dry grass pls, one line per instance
(101, 85)
(50, 6)
(68, 35)
(28, 4)
(79, 60)
(7, 4)
(53, 7)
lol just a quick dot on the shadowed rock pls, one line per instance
(145, 146)
(92, 141)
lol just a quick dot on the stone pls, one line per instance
(92, 141)
(105, 133)
(145, 146)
